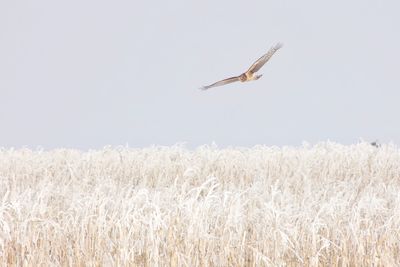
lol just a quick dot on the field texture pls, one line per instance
(325, 205)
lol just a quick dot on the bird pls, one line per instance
(376, 144)
(249, 75)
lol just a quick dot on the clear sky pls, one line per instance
(86, 74)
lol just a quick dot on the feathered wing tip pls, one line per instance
(222, 82)
(278, 45)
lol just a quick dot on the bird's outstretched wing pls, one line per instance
(262, 60)
(223, 82)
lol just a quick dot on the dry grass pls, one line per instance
(327, 205)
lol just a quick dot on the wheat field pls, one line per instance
(322, 205)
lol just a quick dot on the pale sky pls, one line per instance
(86, 74)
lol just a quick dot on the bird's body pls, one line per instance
(249, 75)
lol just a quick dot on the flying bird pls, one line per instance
(376, 144)
(249, 75)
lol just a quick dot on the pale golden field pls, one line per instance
(325, 205)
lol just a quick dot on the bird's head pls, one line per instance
(258, 76)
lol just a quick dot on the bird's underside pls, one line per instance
(249, 75)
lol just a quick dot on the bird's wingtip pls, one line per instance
(278, 45)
